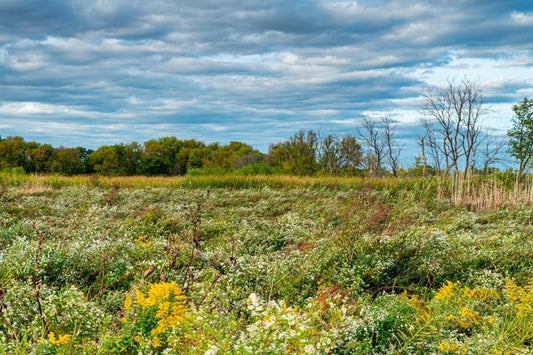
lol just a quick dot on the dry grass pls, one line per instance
(475, 193)
(478, 195)
(223, 181)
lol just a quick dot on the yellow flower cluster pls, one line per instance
(446, 291)
(168, 299)
(452, 347)
(169, 316)
(423, 310)
(468, 318)
(60, 339)
(142, 242)
(521, 297)
(159, 293)
(481, 294)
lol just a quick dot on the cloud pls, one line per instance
(111, 71)
(522, 18)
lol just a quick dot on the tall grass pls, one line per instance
(482, 193)
(213, 181)
(473, 192)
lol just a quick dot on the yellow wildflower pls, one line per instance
(169, 317)
(167, 300)
(446, 291)
(127, 302)
(59, 340)
(481, 294)
(158, 293)
(521, 297)
(156, 341)
(467, 320)
(451, 347)
(461, 322)
(523, 308)
(471, 315)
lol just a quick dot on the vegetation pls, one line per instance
(521, 134)
(453, 138)
(264, 265)
(108, 252)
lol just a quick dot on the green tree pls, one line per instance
(109, 160)
(521, 134)
(159, 156)
(43, 158)
(15, 152)
(234, 155)
(181, 160)
(298, 155)
(351, 154)
(68, 161)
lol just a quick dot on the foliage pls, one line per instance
(521, 134)
(263, 264)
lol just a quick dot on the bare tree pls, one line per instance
(379, 138)
(392, 150)
(456, 110)
(490, 150)
(429, 139)
(372, 136)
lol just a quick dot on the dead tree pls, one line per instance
(455, 111)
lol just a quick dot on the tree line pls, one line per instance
(453, 140)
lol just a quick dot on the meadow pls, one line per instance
(265, 265)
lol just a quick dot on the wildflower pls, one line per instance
(467, 320)
(521, 297)
(156, 341)
(59, 340)
(481, 294)
(471, 315)
(446, 291)
(451, 347)
(159, 292)
(127, 302)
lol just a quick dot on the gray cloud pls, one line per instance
(78, 72)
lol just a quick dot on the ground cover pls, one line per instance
(262, 265)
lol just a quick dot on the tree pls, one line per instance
(296, 155)
(68, 161)
(329, 155)
(43, 158)
(351, 154)
(490, 150)
(371, 135)
(378, 136)
(109, 160)
(455, 111)
(234, 155)
(337, 155)
(521, 134)
(392, 150)
(15, 152)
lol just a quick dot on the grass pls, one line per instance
(264, 264)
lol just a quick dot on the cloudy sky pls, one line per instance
(114, 71)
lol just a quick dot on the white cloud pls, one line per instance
(291, 59)
(522, 18)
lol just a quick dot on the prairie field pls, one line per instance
(265, 265)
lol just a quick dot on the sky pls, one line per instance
(92, 73)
